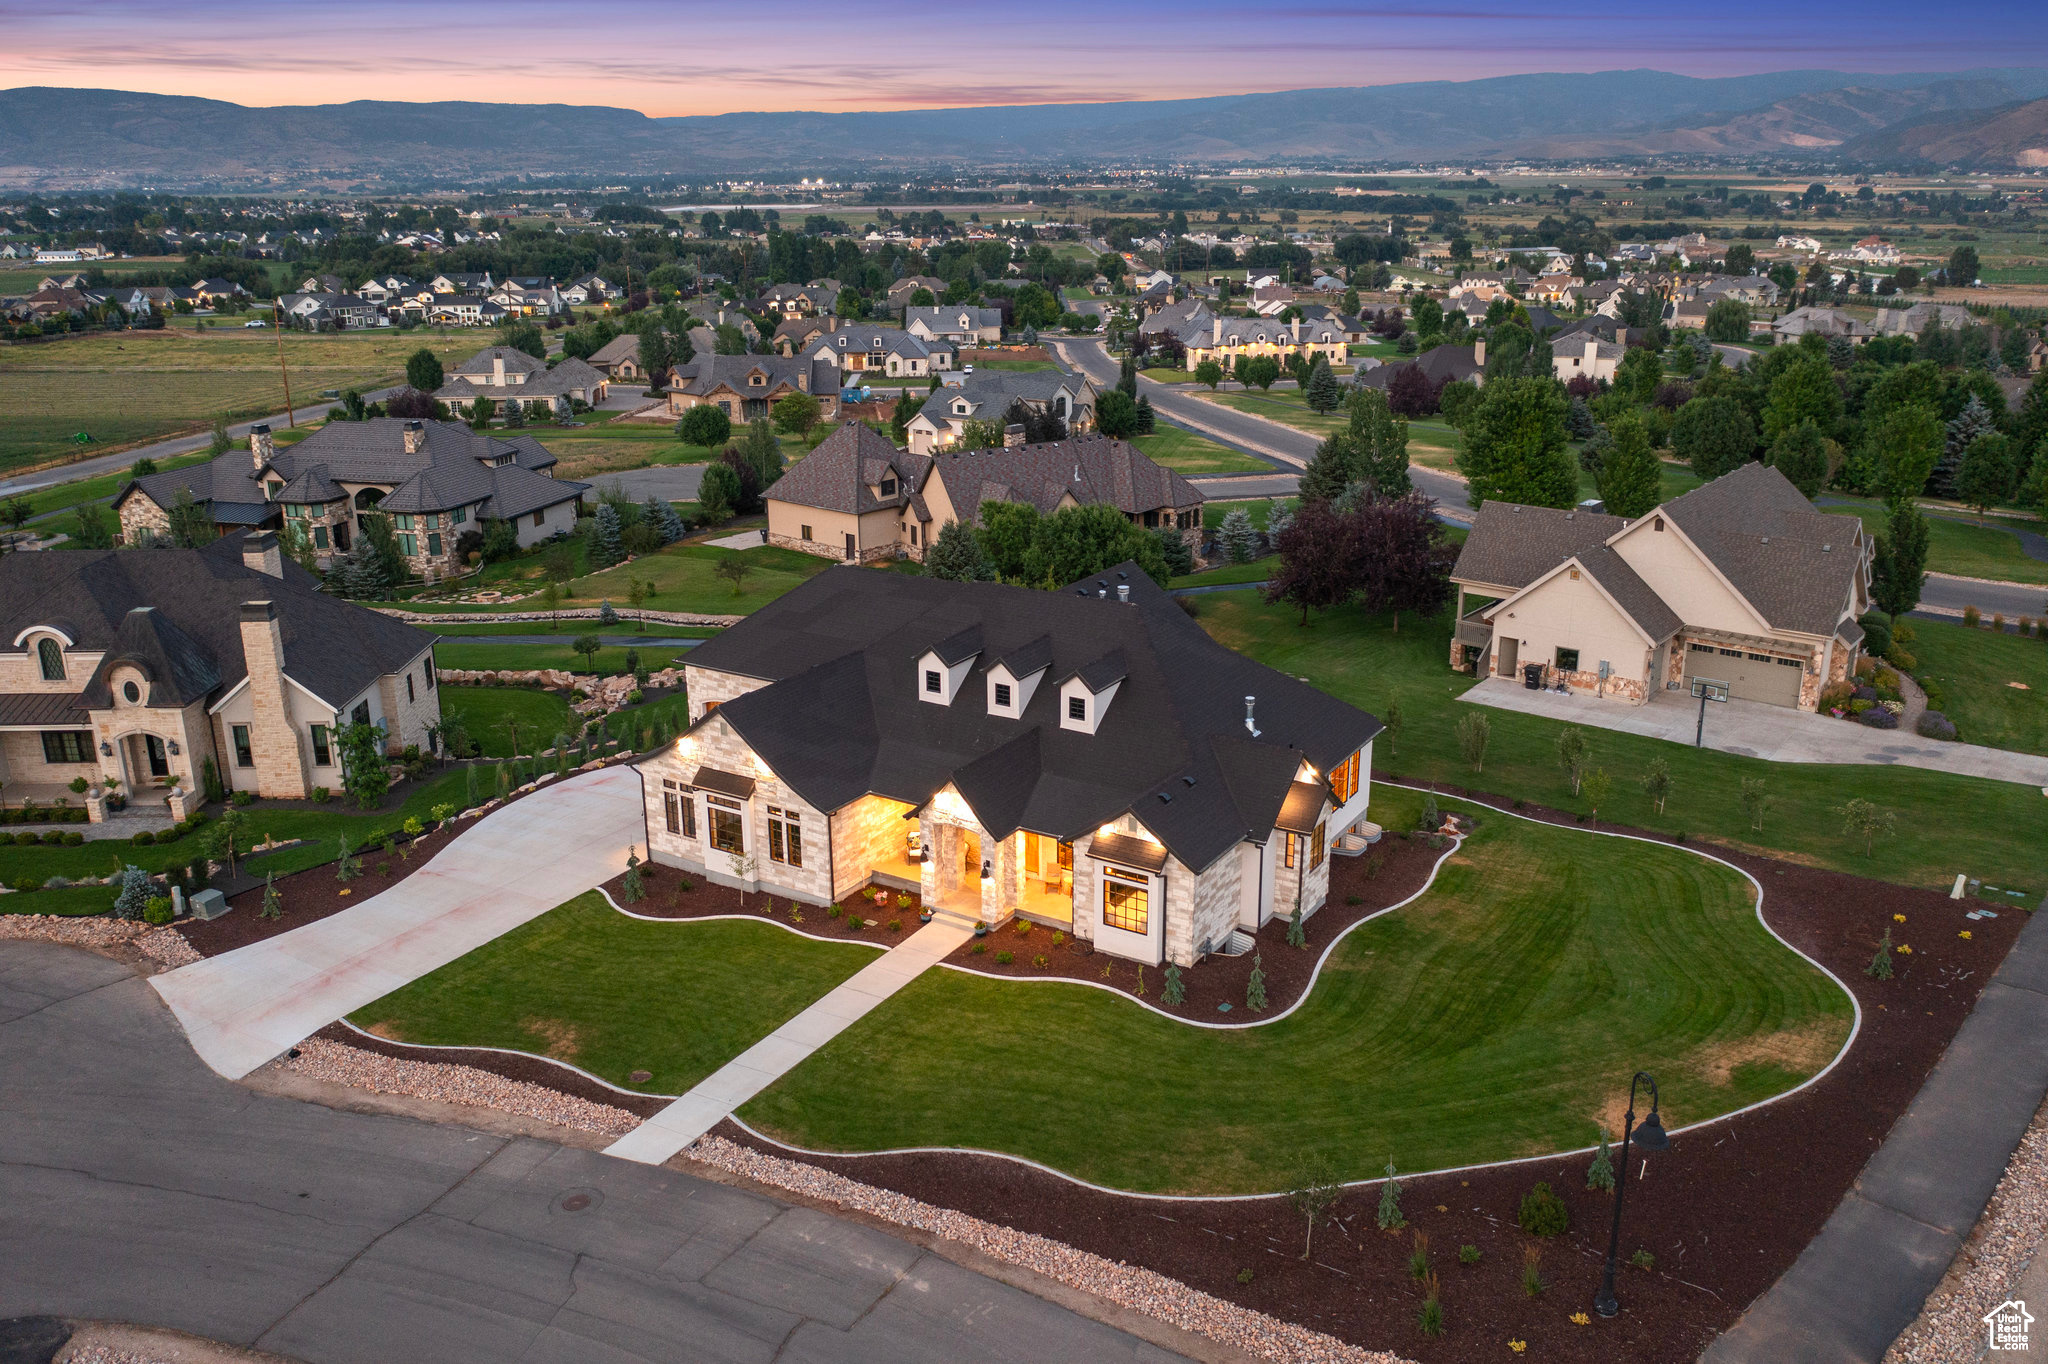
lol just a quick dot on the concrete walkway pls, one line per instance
(140, 1187)
(1891, 1239)
(244, 1007)
(1756, 730)
(761, 1065)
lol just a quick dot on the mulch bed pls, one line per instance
(1385, 874)
(1725, 1211)
(665, 898)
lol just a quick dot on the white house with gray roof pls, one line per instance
(505, 374)
(963, 324)
(1740, 581)
(986, 395)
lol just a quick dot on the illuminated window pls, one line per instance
(728, 825)
(1124, 900)
(1315, 848)
(785, 837)
(1287, 850)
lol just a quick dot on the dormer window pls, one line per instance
(1077, 708)
(934, 681)
(1002, 695)
(888, 487)
(51, 655)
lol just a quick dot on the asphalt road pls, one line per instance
(138, 1186)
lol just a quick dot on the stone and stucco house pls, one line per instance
(963, 324)
(437, 481)
(1087, 758)
(143, 665)
(747, 387)
(506, 375)
(987, 396)
(1739, 581)
(862, 348)
(1230, 340)
(858, 498)
(1584, 353)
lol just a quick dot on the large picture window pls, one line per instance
(67, 746)
(728, 825)
(1125, 900)
(1344, 778)
(785, 837)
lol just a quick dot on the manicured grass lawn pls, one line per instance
(553, 651)
(1947, 823)
(1188, 453)
(1974, 669)
(1284, 406)
(1498, 1016)
(493, 714)
(1257, 571)
(129, 386)
(684, 579)
(1169, 376)
(1965, 547)
(612, 995)
(322, 825)
(1015, 366)
(568, 629)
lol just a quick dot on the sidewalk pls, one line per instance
(1756, 730)
(1864, 1278)
(774, 1056)
(244, 1007)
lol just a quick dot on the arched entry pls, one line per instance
(368, 498)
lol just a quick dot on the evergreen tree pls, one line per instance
(1600, 1174)
(1515, 445)
(1880, 967)
(1296, 937)
(1240, 539)
(1331, 469)
(956, 556)
(763, 452)
(1899, 567)
(423, 371)
(1148, 421)
(1176, 993)
(1279, 516)
(1985, 474)
(666, 519)
(1173, 548)
(1255, 986)
(718, 496)
(1389, 1216)
(515, 414)
(361, 574)
(273, 903)
(1630, 477)
(1714, 435)
(1321, 391)
(1801, 455)
(1127, 377)
(1968, 426)
(605, 546)
(135, 892)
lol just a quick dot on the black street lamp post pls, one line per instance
(1651, 1138)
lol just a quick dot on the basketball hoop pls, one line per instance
(1706, 689)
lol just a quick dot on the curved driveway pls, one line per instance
(243, 1007)
(137, 1186)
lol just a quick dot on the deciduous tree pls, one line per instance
(1515, 445)
(1630, 477)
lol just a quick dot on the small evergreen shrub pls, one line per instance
(1542, 1212)
(895, 925)
(143, 839)
(321, 795)
(1005, 957)
(1175, 992)
(1041, 961)
(977, 949)
(833, 911)
(1643, 1259)
(1389, 1215)
(1468, 1255)
(1600, 1174)
(157, 910)
(244, 797)
(73, 840)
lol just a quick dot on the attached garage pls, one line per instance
(1769, 678)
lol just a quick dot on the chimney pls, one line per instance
(1216, 330)
(260, 552)
(416, 435)
(1123, 593)
(1479, 353)
(280, 766)
(1296, 325)
(498, 370)
(1249, 702)
(261, 448)
(1592, 351)
(1013, 435)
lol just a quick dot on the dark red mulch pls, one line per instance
(1725, 1211)
(1386, 874)
(665, 898)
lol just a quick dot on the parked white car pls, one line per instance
(257, 322)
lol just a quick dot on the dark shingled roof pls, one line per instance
(1794, 564)
(1630, 592)
(1512, 545)
(843, 719)
(841, 473)
(190, 643)
(1093, 468)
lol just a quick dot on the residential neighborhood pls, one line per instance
(1005, 694)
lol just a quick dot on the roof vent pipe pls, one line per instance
(1102, 592)
(1123, 593)
(1249, 701)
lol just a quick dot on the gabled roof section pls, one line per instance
(1794, 565)
(178, 668)
(1512, 545)
(842, 472)
(1090, 469)
(1026, 659)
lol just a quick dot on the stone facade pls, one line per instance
(280, 765)
(1217, 894)
(411, 702)
(715, 745)
(141, 513)
(867, 833)
(709, 689)
(868, 554)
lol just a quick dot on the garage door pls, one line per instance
(1750, 677)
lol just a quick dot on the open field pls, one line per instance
(134, 386)
(1408, 1044)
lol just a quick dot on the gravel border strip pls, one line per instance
(1141, 1290)
(320, 1059)
(163, 945)
(2012, 1231)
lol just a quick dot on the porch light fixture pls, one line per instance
(106, 749)
(173, 745)
(1650, 1137)
(987, 871)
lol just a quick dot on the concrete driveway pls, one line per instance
(137, 1186)
(244, 1007)
(1756, 730)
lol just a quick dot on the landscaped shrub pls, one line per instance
(895, 925)
(1468, 1255)
(1877, 717)
(143, 839)
(1041, 961)
(134, 896)
(1934, 725)
(1532, 1270)
(1877, 635)
(1542, 1212)
(1859, 704)
(79, 786)
(73, 840)
(156, 909)
(1899, 658)
(27, 883)
(52, 839)
(1005, 957)
(1972, 617)
(1836, 695)
(1643, 1259)
(833, 911)
(977, 949)
(321, 795)
(243, 797)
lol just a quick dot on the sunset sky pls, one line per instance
(693, 57)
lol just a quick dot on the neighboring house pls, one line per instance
(153, 665)
(460, 283)
(986, 396)
(507, 375)
(1797, 243)
(961, 324)
(859, 498)
(898, 297)
(865, 348)
(1087, 758)
(1825, 321)
(212, 291)
(1740, 581)
(324, 284)
(437, 481)
(588, 289)
(799, 300)
(1175, 318)
(1270, 300)
(1691, 315)
(336, 312)
(1918, 318)
(530, 296)
(747, 387)
(798, 333)
(457, 310)
(619, 358)
(1758, 291)
(1584, 353)
(1440, 365)
(1870, 251)
(1231, 340)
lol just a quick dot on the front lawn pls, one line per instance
(585, 984)
(685, 579)
(495, 716)
(1977, 672)
(1947, 823)
(1497, 1016)
(1185, 452)
(553, 651)
(1966, 548)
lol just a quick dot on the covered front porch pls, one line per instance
(967, 873)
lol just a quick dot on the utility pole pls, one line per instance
(277, 325)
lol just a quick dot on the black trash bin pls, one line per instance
(1532, 676)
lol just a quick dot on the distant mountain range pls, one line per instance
(61, 138)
